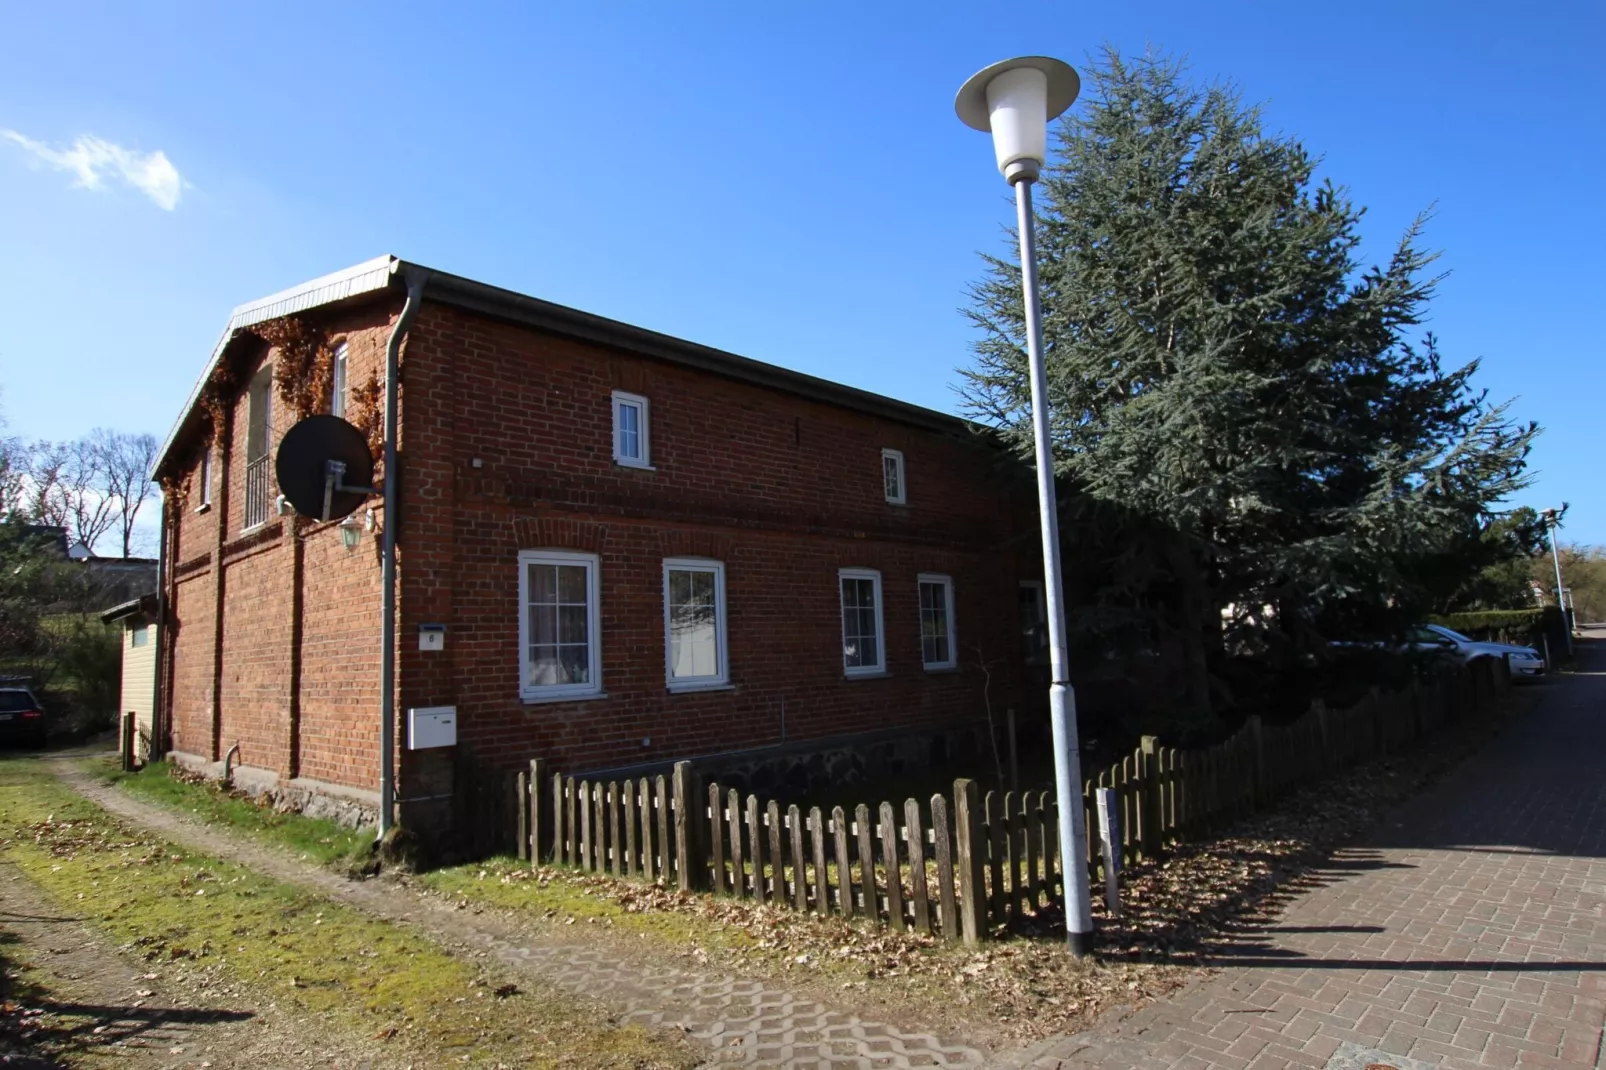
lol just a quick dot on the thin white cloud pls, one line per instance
(93, 160)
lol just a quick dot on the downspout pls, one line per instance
(387, 580)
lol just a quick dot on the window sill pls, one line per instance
(617, 463)
(879, 674)
(682, 689)
(548, 700)
(939, 670)
(204, 507)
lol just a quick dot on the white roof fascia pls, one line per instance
(362, 278)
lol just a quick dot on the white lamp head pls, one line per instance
(1015, 100)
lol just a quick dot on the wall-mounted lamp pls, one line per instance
(350, 532)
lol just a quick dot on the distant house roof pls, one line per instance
(53, 534)
(388, 272)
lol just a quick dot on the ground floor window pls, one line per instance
(559, 652)
(694, 624)
(862, 646)
(937, 621)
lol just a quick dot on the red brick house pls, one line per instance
(640, 550)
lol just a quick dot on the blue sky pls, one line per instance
(787, 182)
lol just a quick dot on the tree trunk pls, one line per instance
(1194, 609)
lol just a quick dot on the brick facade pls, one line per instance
(507, 445)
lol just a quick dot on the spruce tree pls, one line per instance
(1223, 370)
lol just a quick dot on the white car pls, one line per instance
(1525, 661)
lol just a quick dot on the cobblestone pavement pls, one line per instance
(1467, 931)
(743, 1022)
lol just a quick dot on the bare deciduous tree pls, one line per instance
(124, 462)
(67, 488)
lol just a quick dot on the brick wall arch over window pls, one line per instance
(680, 542)
(532, 533)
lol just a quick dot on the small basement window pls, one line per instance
(630, 441)
(892, 476)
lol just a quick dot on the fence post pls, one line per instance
(521, 795)
(967, 830)
(1110, 847)
(688, 855)
(537, 807)
(1149, 796)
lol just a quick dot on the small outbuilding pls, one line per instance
(138, 618)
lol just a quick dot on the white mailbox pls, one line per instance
(431, 726)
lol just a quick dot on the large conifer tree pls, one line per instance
(1221, 368)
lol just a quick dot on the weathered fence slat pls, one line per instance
(872, 898)
(941, 846)
(630, 813)
(969, 846)
(613, 830)
(994, 819)
(772, 816)
(716, 836)
(755, 845)
(915, 838)
(800, 888)
(889, 859)
(822, 888)
(734, 818)
(844, 872)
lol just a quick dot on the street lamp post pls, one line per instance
(1552, 521)
(1014, 100)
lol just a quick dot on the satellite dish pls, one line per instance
(324, 467)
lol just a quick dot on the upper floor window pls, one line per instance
(937, 649)
(259, 415)
(892, 476)
(206, 478)
(694, 624)
(630, 442)
(559, 654)
(337, 388)
(862, 646)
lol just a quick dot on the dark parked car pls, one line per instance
(22, 719)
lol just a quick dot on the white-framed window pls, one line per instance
(694, 624)
(892, 480)
(937, 647)
(559, 653)
(1033, 622)
(337, 389)
(630, 439)
(863, 649)
(206, 479)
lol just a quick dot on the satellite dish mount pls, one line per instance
(324, 468)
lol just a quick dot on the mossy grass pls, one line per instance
(314, 839)
(180, 909)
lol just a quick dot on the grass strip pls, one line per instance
(183, 910)
(314, 839)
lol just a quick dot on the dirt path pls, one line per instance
(75, 1000)
(744, 1022)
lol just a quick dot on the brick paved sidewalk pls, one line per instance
(1468, 931)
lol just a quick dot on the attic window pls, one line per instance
(337, 390)
(892, 477)
(630, 439)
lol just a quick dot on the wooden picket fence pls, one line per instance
(960, 867)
